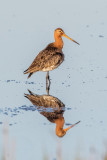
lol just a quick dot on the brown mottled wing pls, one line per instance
(48, 57)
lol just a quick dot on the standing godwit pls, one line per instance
(50, 57)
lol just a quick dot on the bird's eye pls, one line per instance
(60, 31)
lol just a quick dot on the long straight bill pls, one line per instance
(70, 39)
(71, 126)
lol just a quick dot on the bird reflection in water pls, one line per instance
(51, 108)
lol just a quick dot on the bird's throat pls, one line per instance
(58, 42)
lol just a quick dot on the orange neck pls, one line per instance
(59, 124)
(58, 41)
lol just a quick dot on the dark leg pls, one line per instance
(48, 85)
(47, 76)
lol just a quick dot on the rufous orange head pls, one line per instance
(59, 32)
(61, 132)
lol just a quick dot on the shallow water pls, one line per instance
(80, 83)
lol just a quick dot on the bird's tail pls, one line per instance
(27, 95)
(31, 93)
(26, 71)
(29, 75)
